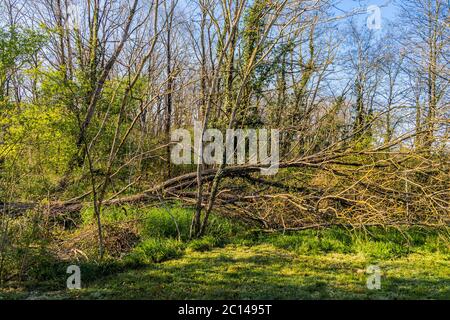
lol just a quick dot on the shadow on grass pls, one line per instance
(258, 275)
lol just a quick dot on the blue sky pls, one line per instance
(387, 7)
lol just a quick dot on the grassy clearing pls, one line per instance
(235, 262)
(266, 272)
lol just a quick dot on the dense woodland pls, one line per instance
(90, 91)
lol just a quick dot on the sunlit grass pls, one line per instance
(232, 262)
(266, 272)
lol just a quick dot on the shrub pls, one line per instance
(24, 246)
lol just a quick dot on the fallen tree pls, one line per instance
(397, 189)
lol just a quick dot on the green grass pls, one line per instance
(234, 262)
(374, 243)
(155, 250)
(266, 272)
(162, 222)
(206, 243)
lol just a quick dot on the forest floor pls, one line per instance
(235, 262)
(267, 272)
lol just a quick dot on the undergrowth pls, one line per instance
(137, 237)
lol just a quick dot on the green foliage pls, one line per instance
(36, 140)
(253, 27)
(206, 243)
(312, 242)
(16, 47)
(24, 246)
(44, 148)
(155, 250)
(111, 214)
(264, 271)
(308, 258)
(380, 250)
(159, 233)
(375, 243)
(253, 47)
(51, 272)
(160, 222)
